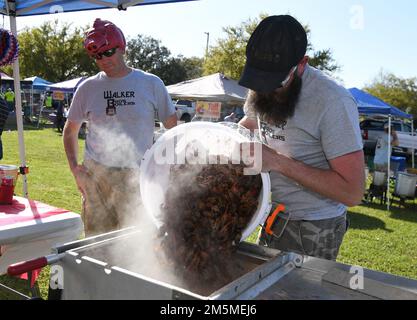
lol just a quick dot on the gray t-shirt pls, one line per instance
(325, 126)
(120, 115)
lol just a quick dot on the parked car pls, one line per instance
(185, 110)
(372, 129)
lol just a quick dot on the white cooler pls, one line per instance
(30, 229)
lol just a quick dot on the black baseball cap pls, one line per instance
(277, 44)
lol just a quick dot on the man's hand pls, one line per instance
(171, 122)
(81, 175)
(270, 159)
(259, 157)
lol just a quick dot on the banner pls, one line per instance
(58, 95)
(207, 109)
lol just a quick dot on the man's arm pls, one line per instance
(249, 123)
(395, 141)
(70, 137)
(171, 121)
(343, 182)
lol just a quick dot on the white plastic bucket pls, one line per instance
(380, 178)
(217, 139)
(406, 184)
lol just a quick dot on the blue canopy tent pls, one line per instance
(371, 105)
(38, 83)
(35, 83)
(16, 8)
(68, 86)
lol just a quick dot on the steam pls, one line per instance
(114, 146)
(142, 252)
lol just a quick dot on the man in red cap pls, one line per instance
(120, 105)
(309, 125)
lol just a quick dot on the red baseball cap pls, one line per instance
(103, 36)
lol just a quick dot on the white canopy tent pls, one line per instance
(5, 77)
(215, 87)
(15, 8)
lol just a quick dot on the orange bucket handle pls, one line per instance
(271, 219)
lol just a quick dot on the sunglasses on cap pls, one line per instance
(107, 53)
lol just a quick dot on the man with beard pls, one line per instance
(309, 125)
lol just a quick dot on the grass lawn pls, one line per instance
(377, 239)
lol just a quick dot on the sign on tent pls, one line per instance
(207, 109)
(58, 95)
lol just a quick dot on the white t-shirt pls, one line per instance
(325, 126)
(120, 115)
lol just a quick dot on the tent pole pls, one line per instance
(19, 118)
(389, 160)
(412, 150)
(31, 101)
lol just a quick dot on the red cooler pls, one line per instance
(8, 179)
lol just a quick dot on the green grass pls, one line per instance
(377, 239)
(382, 240)
(49, 181)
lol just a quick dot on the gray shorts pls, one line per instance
(320, 238)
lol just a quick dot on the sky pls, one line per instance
(366, 37)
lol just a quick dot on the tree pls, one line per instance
(54, 52)
(399, 92)
(324, 61)
(178, 69)
(148, 54)
(228, 55)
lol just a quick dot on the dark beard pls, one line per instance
(276, 108)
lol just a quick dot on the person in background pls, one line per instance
(60, 121)
(312, 145)
(230, 118)
(119, 105)
(10, 97)
(48, 100)
(4, 114)
(381, 150)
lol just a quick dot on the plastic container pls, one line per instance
(406, 185)
(8, 179)
(366, 176)
(379, 178)
(412, 170)
(170, 148)
(401, 162)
